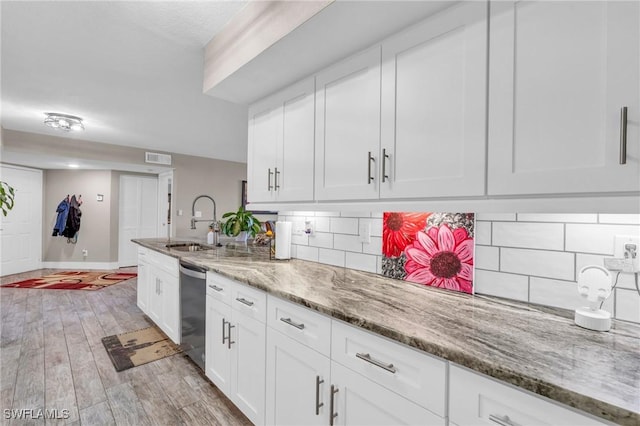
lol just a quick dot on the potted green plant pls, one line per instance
(7, 194)
(240, 224)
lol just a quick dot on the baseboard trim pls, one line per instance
(80, 265)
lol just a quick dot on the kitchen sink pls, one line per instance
(188, 246)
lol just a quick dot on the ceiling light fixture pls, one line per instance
(63, 121)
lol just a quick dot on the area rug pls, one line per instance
(75, 280)
(138, 347)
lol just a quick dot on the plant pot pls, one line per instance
(242, 237)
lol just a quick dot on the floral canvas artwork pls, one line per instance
(434, 249)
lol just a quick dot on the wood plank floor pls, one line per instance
(52, 358)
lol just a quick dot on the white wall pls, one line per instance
(528, 257)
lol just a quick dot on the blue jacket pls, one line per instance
(61, 221)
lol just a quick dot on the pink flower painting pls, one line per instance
(437, 254)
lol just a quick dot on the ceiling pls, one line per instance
(132, 70)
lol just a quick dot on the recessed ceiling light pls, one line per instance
(63, 121)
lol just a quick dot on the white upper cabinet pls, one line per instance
(560, 73)
(281, 145)
(433, 129)
(348, 128)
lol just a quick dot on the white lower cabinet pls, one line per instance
(235, 348)
(475, 399)
(143, 284)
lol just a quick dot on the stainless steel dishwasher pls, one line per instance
(193, 292)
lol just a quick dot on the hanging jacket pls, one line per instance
(61, 220)
(73, 219)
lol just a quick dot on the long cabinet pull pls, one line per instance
(276, 186)
(369, 160)
(384, 165)
(332, 415)
(502, 421)
(366, 357)
(229, 327)
(269, 186)
(318, 403)
(215, 287)
(224, 324)
(623, 135)
(299, 326)
(244, 301)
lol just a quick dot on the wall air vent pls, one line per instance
(155, 158)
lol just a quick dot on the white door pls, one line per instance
(348, 128)
(21, 229)
(294, 178)
(560, 72)
(138, 215)
(297, 382)
(248, 366)
(165, 194)
(217, 352)
(265, 121)
(433, 126)
(359, 401)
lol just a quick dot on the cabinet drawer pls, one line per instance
(143, 251)
(303, 325)
(162, 261)
(475, 399)
(412, 374)
(249, 301)
(219, 287)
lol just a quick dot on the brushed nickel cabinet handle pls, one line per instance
(366, 357)
(244, 301)
(318, 403)
(215, 287)
(502, 421)
(369, 159)
(299, 326)
(224, 323)
(385, 156)
(623, 135)
(229, 327)
(269, 186)
(332, 415)
(276, 179)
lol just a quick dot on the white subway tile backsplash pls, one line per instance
(307, 253)
(562, 218)
(496, 216)
(344, 225)
(541, 263)
(487, 257)
(628, 305)
(328, 214)
(322, 224)
(304, 213)
(483, 233)
(630, 219)
(374, 247)
(500, 284)
(379, 265)
(361, 262)
(596, 238)
(376, 226)
(379, 215)
(300, 239)
(331, 257)
(561, 294)
(355, 214)
(347, 243)
(548, 236)
(321, 239)
(625, 280)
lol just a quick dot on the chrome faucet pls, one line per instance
(214, 223)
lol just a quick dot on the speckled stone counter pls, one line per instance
(535, 348)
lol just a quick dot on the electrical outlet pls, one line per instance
(627, 250)
(85, 252)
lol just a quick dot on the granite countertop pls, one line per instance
(536, 348)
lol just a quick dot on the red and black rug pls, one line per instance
(75, 280)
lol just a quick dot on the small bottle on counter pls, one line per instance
(210, 235)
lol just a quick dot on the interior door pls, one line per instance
(21, 229)
(138, 215)
(165, 194)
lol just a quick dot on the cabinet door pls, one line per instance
(348, 128)
(155, 295)
(433, 125)
(248, 366)
(143, 287)
(217, 352)
(297, 382)
(359, 401)
(170, 322)
(293, 180)
(560, 72)
(265, 121)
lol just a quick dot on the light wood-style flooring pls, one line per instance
(52, 358)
